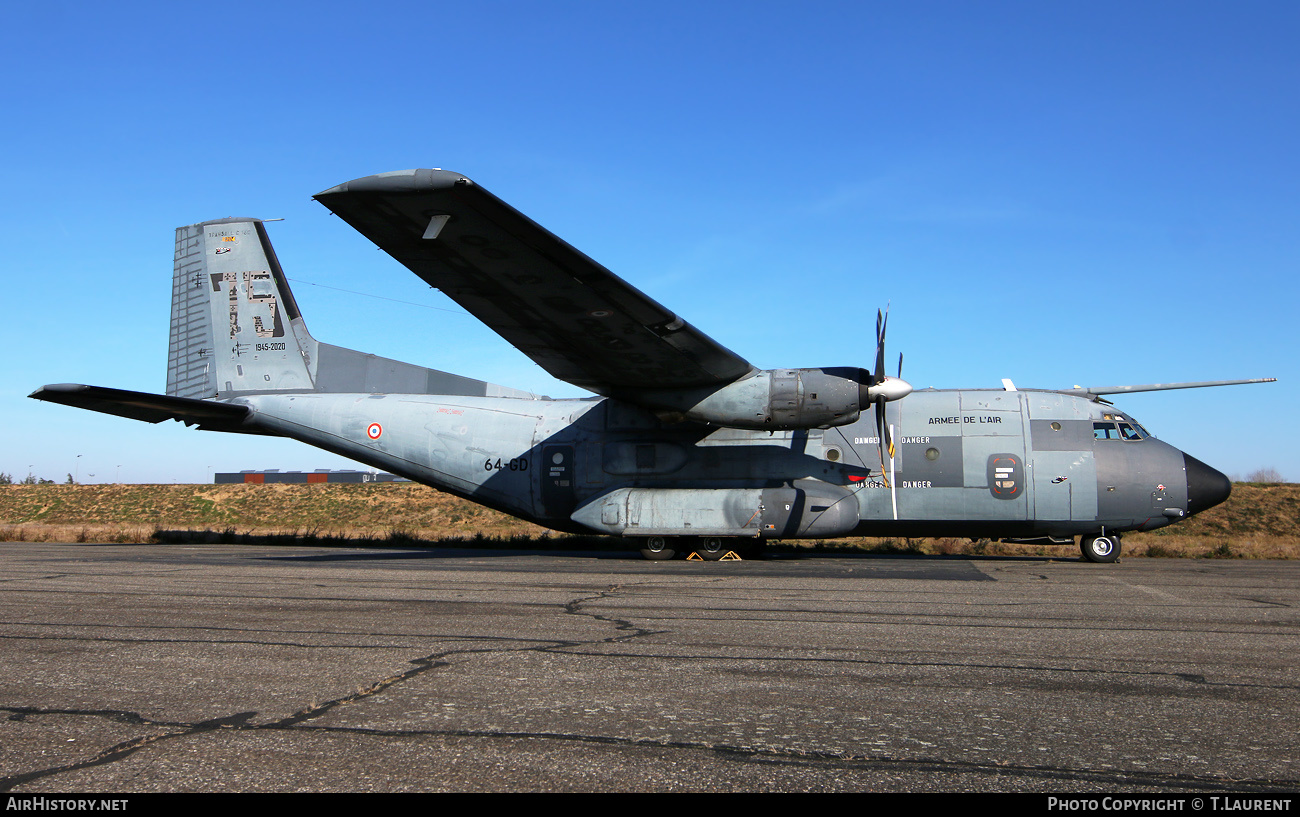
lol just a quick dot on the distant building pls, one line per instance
(275, 475)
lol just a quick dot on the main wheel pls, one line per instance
(657, 549)
(712, 548)
(1103, 548)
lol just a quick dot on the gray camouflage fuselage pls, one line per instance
(604, 466)
(687, 438)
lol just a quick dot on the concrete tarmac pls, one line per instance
(136, 668)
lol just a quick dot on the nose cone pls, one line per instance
(1206, 487)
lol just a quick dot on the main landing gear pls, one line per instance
(657, 549)
(1101, 547)
(707, 548)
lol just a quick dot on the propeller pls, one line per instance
(881, 389)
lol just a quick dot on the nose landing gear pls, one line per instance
(1102, 548)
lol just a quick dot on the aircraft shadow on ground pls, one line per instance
(400, 546)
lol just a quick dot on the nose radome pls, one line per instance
(1206, 487)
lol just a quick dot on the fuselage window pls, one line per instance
(1105, 431)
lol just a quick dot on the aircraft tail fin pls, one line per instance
(236, 329)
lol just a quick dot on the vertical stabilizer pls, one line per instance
(235, 328)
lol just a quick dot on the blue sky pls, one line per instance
(1058, 193)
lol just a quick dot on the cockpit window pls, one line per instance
(1105, 431)
(1128, 432)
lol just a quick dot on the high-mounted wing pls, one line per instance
(572, 316)
(1095, 392)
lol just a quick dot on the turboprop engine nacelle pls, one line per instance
(782, 399)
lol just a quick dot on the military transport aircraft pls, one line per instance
(688, 447)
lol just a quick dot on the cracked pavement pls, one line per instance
(228, 668)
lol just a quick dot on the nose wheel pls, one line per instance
(1102, 548)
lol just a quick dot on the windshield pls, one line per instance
(1104, 431)
(1128, 432)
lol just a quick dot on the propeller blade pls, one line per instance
(882, 320)
(885, 440)
(893, 491)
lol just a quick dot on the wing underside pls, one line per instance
(572, 316)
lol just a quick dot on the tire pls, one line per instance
(1100, 548)
(712, 548)
(657, 549)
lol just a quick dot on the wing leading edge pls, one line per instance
(570, 315)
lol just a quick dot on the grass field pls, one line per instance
(1259, 521)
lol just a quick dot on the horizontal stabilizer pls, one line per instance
(150, 408)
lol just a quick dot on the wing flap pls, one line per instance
(570, 315)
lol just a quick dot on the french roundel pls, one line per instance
(374, 430)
